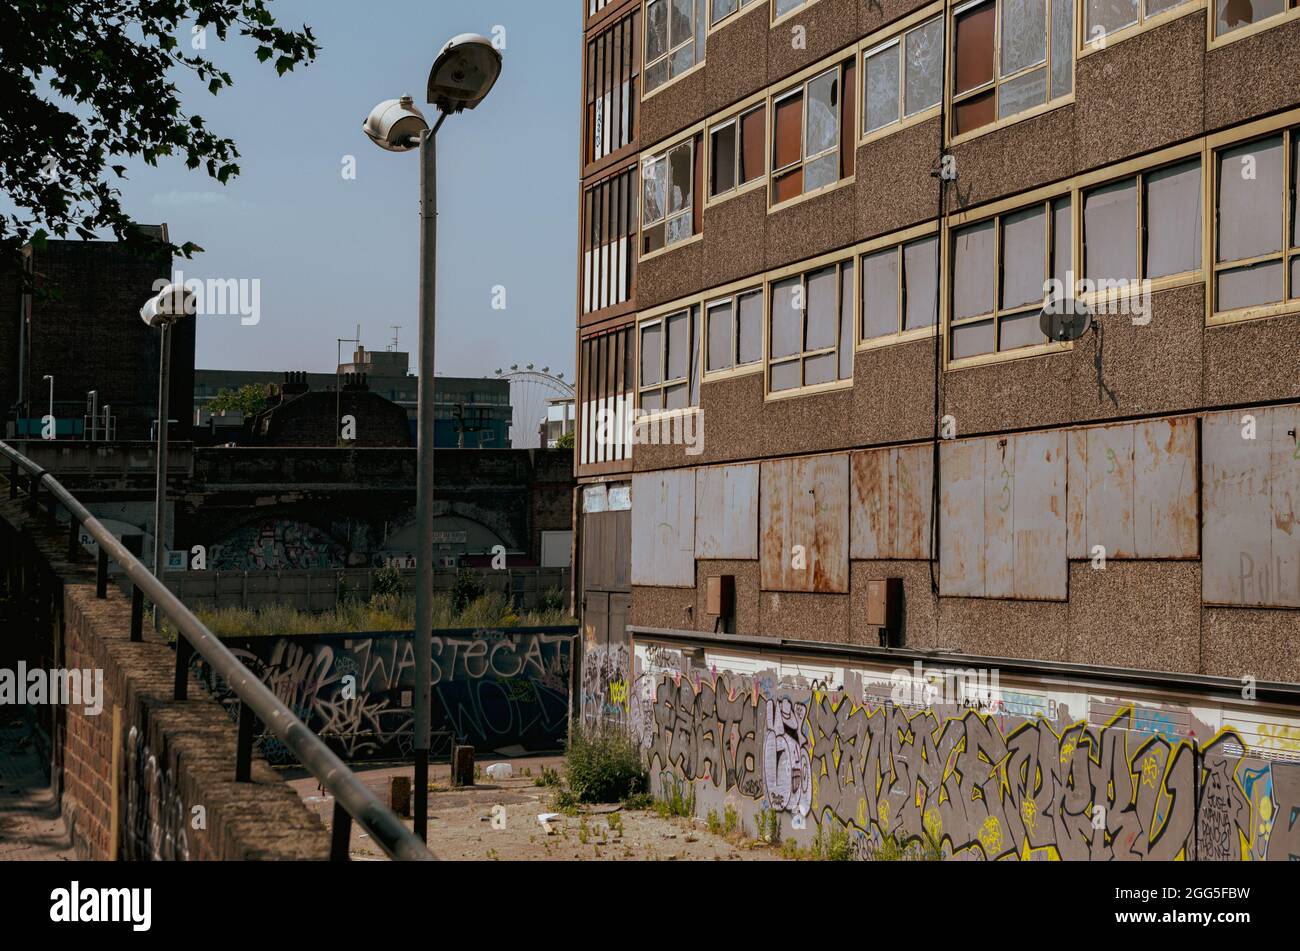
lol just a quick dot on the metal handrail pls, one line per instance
(352, 800)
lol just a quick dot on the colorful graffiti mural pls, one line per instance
(988, 783)
(491, 689)
(277, 544)
(604, 685)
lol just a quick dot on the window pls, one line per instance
(781, 7)
(1233, 15)
(1103, 17)
(811, 339)
(898, 288)
(1000, 269)
(674, 39)
(608, 240)
(668, 197)
(807, 152)
(611, 89)
(721, 9)
(735, 331)
(1257, 239)
(670, 348)
(1147, 226)
(1009, 56)
(604, 391)
(736, 151)
(903, 77)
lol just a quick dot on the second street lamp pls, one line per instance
(462, 75)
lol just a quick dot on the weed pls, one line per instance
(604, 765)
(731, 820)
(713, 822)
(641, 800)
(549, 777)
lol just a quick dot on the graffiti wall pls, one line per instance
(277, 543)
(604, 684)
(493, 690)
(1008, 771)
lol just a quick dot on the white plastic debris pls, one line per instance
(499, 771)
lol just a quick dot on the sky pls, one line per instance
(332, 252)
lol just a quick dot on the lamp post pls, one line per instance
(171, 304)
(53, 421)
(461, 77)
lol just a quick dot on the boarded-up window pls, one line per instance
(1173, 215)
(608, 239)
(1253, 228)
(612, 90)
(892, 496)
(674, 39)
(726, 512)
(1035, 57)
(1003, 508)
(736, 151)
(668, 196)
(897, 300)
(1001, 271)
(605, 393)
(1110, 224)
(663, 528)
(806, 152)
(1251, 507)
(804, 524)
(735, 332)
(811, 328)
(1133, 490)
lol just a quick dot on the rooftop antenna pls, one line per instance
(396, 330)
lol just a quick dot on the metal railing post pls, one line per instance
(244, 747)
(101, 573)
(135, 545)
(184, 651)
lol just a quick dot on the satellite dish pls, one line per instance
(1064, 319)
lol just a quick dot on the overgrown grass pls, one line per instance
(384, 612)
(603, 765)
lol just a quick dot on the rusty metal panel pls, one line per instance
(663, 528)
(1040, 568)
(1110, 490)
(872, 510)
(1076, 494)
(804, 524)
(726, 512)
(1164, 489)
(961, 509)
(999, 515)
(1237, 507)
(914, 499)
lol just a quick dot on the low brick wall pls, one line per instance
(147, 778)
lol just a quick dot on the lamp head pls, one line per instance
(395, 124)
(464, 73)
(169, 305)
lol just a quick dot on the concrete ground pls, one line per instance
(31, 829)
(499, 821)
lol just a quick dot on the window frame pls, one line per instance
(798, 86)
(632, 23)
(699, 34)
(896, 34)
(1290, 12)
(737, 115)
(897, 241)
(837, 259)
(693, 308)
(745, 6)
(733, 292)
(779, 18)
(953, 99)
(688, 137)
(1083, 46)
(1286, 125)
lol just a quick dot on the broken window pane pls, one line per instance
(749, 344)
(654, 184)
(656, 33)
(723, 153)
(1160, 6)
(679, 344)
(679, 228)
(787, 317)
(656, 75)
(1107, 16)
(1110, 232)
(1021, 330)
(681, 178)
(973, 271)
(1234, 14)
(823, 116)
(970, 340)
(1173, 209)
(822, 171)
(651, 353)
(819, 369)
(821, 302)
(786, 376)
(1024, 34)
(880, 294)
(752, 131)
(882, 88)
(1249, 286)
(720, 351)
(785, 6)
(846, 321)
(1063, 47)
(920, 273)
(722, 8)
(1023, 92)
(1250, 199)
(682, 25)
(1023, 256)
(973, 54)
(923, 76)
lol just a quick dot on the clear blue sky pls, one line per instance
(333, 253)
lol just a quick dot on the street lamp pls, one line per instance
(54, 421)
(171, 304)
(462, 75)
